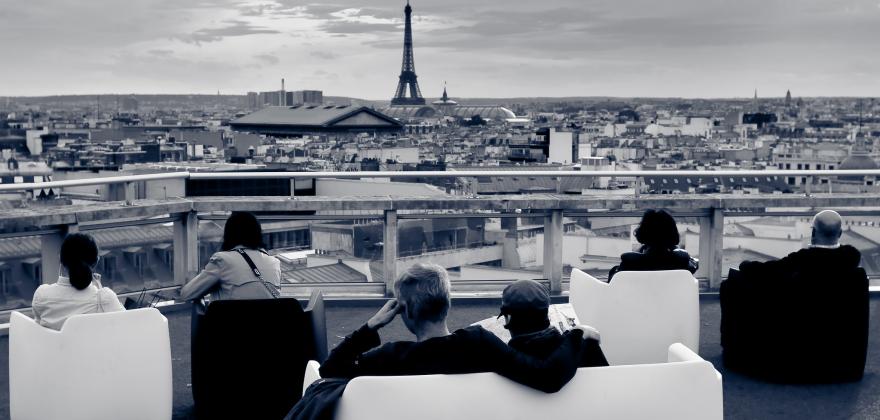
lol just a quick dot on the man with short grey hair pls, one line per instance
(423, 302)
(825, 253)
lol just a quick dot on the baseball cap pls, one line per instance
(527, 295)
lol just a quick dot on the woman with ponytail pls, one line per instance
(78, 289)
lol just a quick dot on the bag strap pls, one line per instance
(269, 286)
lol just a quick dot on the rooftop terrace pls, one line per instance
(744, 398)
(351, 304)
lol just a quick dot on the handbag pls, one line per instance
(269, 286)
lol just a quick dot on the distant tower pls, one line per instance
(282, 101)
(755, 101)
(787, 98)
(408, 78)
(445, 104)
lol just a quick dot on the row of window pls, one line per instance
(805, 166)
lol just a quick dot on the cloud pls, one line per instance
(160, 53)
(326, 55)
(233, 28)
(483, 48)
(268, 59)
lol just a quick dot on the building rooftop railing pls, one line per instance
(183, 175)
(180, 217)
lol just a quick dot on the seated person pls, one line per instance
(524, 305)
(770, 311)
(78, 289)
(659, 237)
(824, 254)
(423, 303)
(242, 269)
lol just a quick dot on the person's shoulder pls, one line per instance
(850, 251)
(678, 252)
(219, 257)
(107, 293)
(42, 291)
(631, 256)
(472, 332)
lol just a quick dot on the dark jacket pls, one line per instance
(676, 259)
(542, 344)
(803, 318)
(467, 350)
(807, 260)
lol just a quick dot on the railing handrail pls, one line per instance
(435, 174)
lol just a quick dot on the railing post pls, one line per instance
(389, 251)
(130, 193)
(638, 188)
(712, 246)
(186, 247)
(50, 253)
(553, 237)
(808, 188)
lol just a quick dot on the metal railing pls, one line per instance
(183, 175)
(51, 225)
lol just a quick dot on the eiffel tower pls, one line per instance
(408, 78)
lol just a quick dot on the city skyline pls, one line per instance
(710, 49)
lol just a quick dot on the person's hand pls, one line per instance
(589, 332)
(385, 315)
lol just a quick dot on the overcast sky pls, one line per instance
(482, 48)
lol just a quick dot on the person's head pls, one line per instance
(79, 254)
(827, 228)
(524, 305)
(657, 230)
(242, 228)
(423, 293)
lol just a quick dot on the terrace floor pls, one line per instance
(744, 398)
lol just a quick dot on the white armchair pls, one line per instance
(640, 313)
(99, 366)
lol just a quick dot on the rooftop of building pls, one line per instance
(315, 115)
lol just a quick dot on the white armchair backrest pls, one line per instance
(98, 366)
(640, 313)
(687, 387)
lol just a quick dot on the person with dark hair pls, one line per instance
(524, 306)
(659, 237)
(423, 303)
(78, 289)
(242, 269)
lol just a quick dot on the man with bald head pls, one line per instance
(824, 255)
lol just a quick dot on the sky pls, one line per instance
(479, 48)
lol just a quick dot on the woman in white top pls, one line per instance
(229, 274)
(78, 289)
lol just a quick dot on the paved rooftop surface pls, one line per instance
(744, 398)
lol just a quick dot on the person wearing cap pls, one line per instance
(423, 302)
(524, 306)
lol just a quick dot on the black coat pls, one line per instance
(808, 261)
(543, 343)
(803, 318)
(676, 259)
(467, 350)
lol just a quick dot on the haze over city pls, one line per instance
(493, 48)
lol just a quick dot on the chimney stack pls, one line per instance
(283, 100)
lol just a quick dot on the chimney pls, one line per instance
(283, 99)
